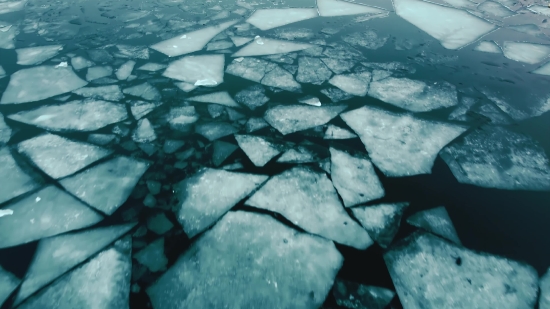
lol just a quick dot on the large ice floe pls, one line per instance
(21, 180)
(293, 118)
(329, 8)
(36, 55)
(430, 272)
(203, 69)
(400, 144)
(495, 157)
(269, 258)
(308, 199)
(39, 83)
(526, 52)
(265, 19)
(258, 149)
(265, 46)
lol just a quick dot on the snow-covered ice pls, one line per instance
(525, 52)
(253, 97)
(358, 296)
(436, 221)
(140, 109)
(144, 132)
(19, 182)
(281, 78)
(191, 69)
(258, 149)
(300, 154)
(132, 52)
(145, 91)
(250, 68)
(12, 6)
(80, 63)
(109, 92)
(355, 83)
(308, 199)
(214, 130)
(381, 221)
(329, 8)
(293, 118)
(36, 55)
(335, 132)
(265, 19)
(270, 47)
(182, 118)
(312, 70)
(125, 70)
(338, 66)
(222, 98)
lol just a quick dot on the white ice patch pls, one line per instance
(436, 221)
(381, 221)
(125, 70)
(258, 149)
(152, 67)
(80, 63)
(488, 47)
(355, 83)
(293, 118)
(98, 72)
(192, 69)
(543, 70)
(526, 52)
(109, 93)
(240, 40)
(36, 55)
(20, 182)
(222, 98)
(144, 132)
(342, 8)
(9, 7)
(271, 47)
(145, 91)
(265, 19)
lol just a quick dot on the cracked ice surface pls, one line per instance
(191, 69)
(293, 118)
(266, 19)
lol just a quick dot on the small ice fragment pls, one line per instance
(258, 149)
(381, 221)
(436, 221)
(240, 59)
(206, 82)
(258, 40)
(62, 65)
(293, 118)
(310, 100)
(222, 98)
(5, 212)
(329, 8)
(525, 52)
(36, 55)
(488, 47)
(265, 46)
(192, 69)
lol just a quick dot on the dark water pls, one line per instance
(513, 224)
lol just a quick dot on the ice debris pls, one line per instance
(293, 118)
(221, 151)
(543, 70)
(140, 109)
(153, 256)
(544, 300)
(152, 67)
(358, 296)
(214, 130)
(222, 98)
(132, 52)
(98, 72)
(335, 132)
(19, 182)
(192, 69)
(258, 149)
(381, 221)
(525, 52)
(80, 63)
(144, 132)
(265, 19)
(253, 97)
(36, 55)
(239, 40)
(436, 221)
(9, 7)
(488, 47)
(109, 92)
(159, 224)
(495, 9)
(125, 70)
(271, 47)
(145, 91)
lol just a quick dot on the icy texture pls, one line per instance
(182, 118)
(312, 70)
(340, 8)
(310, 100)
(56, 255)
(276, 266)
(140, 109)
(253, 97)
(45, 213)
(452, 27)
(125, 70)
(240, 41)
(356, 83)
(266, 19)
(153, 256)
(414, 95)
(293, 118)
(144, 132)
(437, 221)
(109, 93)
(103, 282)
(255, 124)
(494, 157)
(152, 67)
(8, 283)
(59, 157)
(2, 72)
(9, 7)
(299, 154)
(191, 41)
(217, 45)
(5, 131)
(159, 224)
(106, 186)
(133, 52)
(80, 63)
(281, 78)
(368, 39)
(214, 130)
(199, 208)
(98, 72)
(36, 55)
(357, 296)
(250, 68)
(7, 37)
(338, 66)
(309, 200)
(222, 98)
(488, 47)
(495, 9)
(145, 91)
(221, 151)
(335, 132)
(400, 144)
(544, 301)
(258, 149)
(191, 69)
(381, 221)
(39, 83)
(19, 181)
(431, 273)
(270, 47)
(543, 70)
(525, 52)
(87, 115)
(354, 178)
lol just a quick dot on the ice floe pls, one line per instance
(239, 40)
(312, 70)
(145, 91)
(39, 83)
(282, 79)
(381, 221)
(36, 55)
(544, 300)
(125, 70)
(495, 9)
(12, 6)
(8, 283)
(488, 47)
(400, 144)
(221, 151)
(335, 132)
(265, 19)
(58, 156)
(338, 66)
(5, 131)
(2, 72)
(80, 63)
(152, 67)
(153, 256)
(132, 52)
(182, 118)
(98, 72)
(543, 70)
(251, 68)
(20, 182)
(109, 92)
(144, 132)
(7, 37)
(293, 118)
(253, 97)
(436, 221)
(308, 199)
(222, 98)
(300, 154)
(355, 83)
(525, 52)
(341, 8)
(192, 69)
(270, 47)
(358, 296)
(86, 115)
(258, 149)
(140, 109)
(214, 130)
(494, 157)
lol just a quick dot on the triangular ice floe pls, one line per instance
(381, 221)
(437, 221)
(193, 69)
(341, 8)
(258, 149)
(19, 182)
(222, 98)
(266, 19)
(293, 118)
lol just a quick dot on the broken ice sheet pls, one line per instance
(102, 282)
(145, 91)
(191, 41)
(144, 132)
(191, 69)
(215, 130)
(125, 70)
(273, 249)
(338, 66)
(543, 70)
(9, 7)
(341, 8)
(140, 109)
(436, 221)
(253, 97)
(400, 144)
(108, 185)
(80, 63)
(8, 283)
(312, 70)
(239, 40)
(45, 213)
(152, 67)
(39, 83)
(270, 47)
(2, 72)
(525, 52)
(20, 182)
(159, 224)
(368, 39)
(429, 272)
(258, 149)
(58, 156)
(199, 208)
(221, 151)
(182, 118)
(250, 68)
(5, 131)
(7, 37)
(36, 55)
(494, 157)
(381, 221)
(56, 255)
(308, 199)
(265, 19)
(80, 115)
(98, 72)
(299, 154)
(358, 296)
(153, 256)
(495, 9)
(132, 52)
(221, 98)
(280, 78)
(109, 93)
(452, 27)
(335, 132)
(356, 83)
(414, 95)
(293, 118)
(488, 47)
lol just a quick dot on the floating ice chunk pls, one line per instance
(36, 55)
(308, 200)
(214, 130)
(544, 301)
(152, 67)
(56, 255)
(182, 118)
(355, 83)
(452, 27)
(159, 224)
(293, 118)
(45, 213)
(110, 92)
(192, 69)
(206, 82)
(59, 157)
(7, 37)
(171, 146)
(429, 272)
(219, 45)
(255, 124)
(62, 64)
(5, 131)
(145, 91)
(342, 8)
(2, 72)
(335, 132)
(191, 41)
(9, 7)
(312, 70)
(310, 100)
(153, 256)
(494, 157)
(144, 132)
(258, 149)
(125, 70)
(488, 47)
(282, 79)
(221, 151)
(86, 115)
(437, 221)
(98, 72)
(80, 63)
(300, 154)
(338, 66)
(336, 95)
(357, 296)
(239, 40)
(354, 178)
(19, 182)
(140, 109)
(495, 9)
(132, 52)
(414, 95)
(5, 212)
(368, 39)
(400, 144)
(381, 221)
(250, 68)
(525, 52)
(277, 256)
(108, 185)
(265, 19)
(462, 4)
(102, 282)
(222, 98)
(253, 97)
(199, 208)
(186, 87)
(543, 70)
(39, 83)
(271, 47)
(8, 283)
